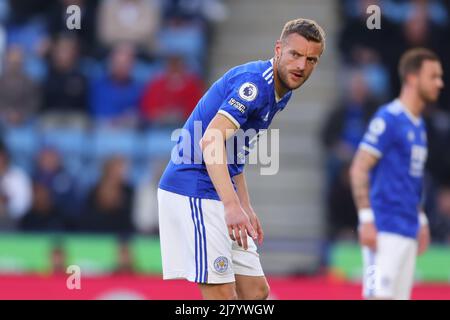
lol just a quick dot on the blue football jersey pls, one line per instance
(246, 96)
(399, 140)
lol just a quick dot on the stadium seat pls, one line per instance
(156, 144)
(22, 143)
(110, 142)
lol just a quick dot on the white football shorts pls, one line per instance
(195, 244)
(388, 273)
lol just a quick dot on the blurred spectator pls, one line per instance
(342, 213)
(195, 10)
(57, 22)
(145, 204)
(51, 174)
(27, 29)
(19, 95)
(15, 192)
(171, 97)
(22, 11)
(65, 87)
(346, 124)
(58, 260)
(125, 263)
(43, 215)
(438, 131)
(355, 34)
(185, 39)
(133, 21)
(115, 97)
(440, 222)
(400, 11)
(109, 206)
(341, 135)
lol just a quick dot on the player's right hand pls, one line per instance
(238, 225)
(368, 235)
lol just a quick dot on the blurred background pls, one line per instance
(86, 118)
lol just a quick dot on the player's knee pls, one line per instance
(263, 292)
(219, 292)
(226, 293)
(259, 292)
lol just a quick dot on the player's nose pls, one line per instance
(301, 63)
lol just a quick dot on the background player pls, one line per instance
(387, 181)
(204, 208)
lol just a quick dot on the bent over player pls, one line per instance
(387, 181)
(205, 214)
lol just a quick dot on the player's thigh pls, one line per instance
(406, 277)
(252, 287)
(177, 237)
(218, 250)
(250, 280)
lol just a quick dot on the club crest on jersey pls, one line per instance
(221, 264)
(411, 136)
(248, 91)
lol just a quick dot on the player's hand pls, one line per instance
(368, 235)
(256, 224)
(239, 225)
(423, 239)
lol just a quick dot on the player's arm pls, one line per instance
(244, 198)
(423, 237)
(212, 145)
(362, 164)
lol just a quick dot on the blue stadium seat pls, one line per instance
(156, 144)
(188, 41)
(110, 142)
(72, 144)
(22, 143)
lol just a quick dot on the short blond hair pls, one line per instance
(309, 29)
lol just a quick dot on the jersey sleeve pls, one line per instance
(379, 135)
(244, 96)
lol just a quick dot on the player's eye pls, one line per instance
(312, 61)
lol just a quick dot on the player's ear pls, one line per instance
(278, 45)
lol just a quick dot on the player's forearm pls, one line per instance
(218, 172)
(242, 190)
(360, 186)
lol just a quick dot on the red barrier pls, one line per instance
(145, 287)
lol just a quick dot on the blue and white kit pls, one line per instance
(399, 140)
(195, 244)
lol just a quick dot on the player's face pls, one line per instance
(429, 81)
(296, 59)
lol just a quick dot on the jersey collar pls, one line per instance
(415, 120)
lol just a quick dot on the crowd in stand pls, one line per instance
(369, 78)
(81, 110)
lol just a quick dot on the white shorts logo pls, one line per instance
(221, 264)
(248, 91)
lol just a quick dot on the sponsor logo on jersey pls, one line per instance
(233, 102)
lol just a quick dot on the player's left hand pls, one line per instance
(256, 224)
(423, 239)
